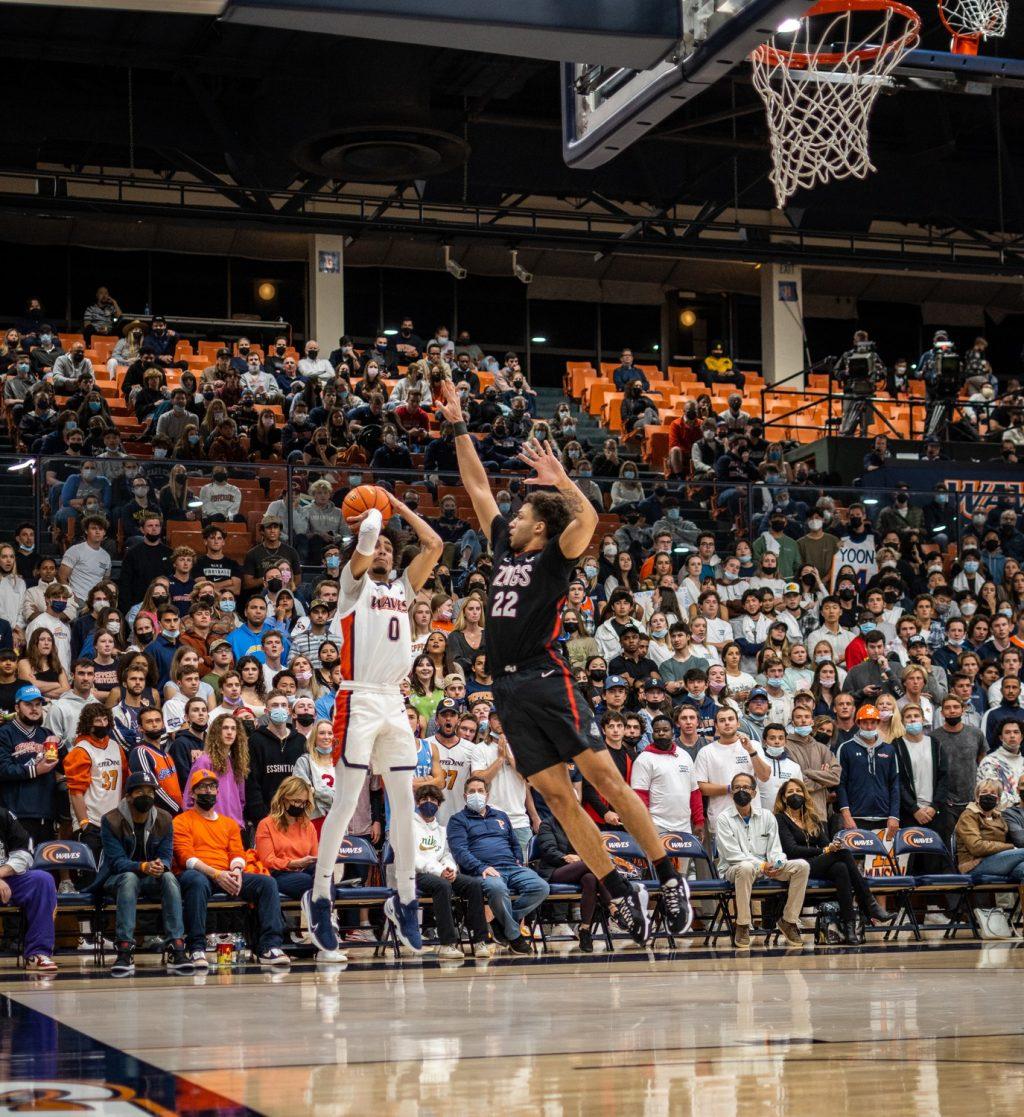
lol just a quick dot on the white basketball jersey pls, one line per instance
(455, 770)
(372, 623)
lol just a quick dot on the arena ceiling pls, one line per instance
(258, 114)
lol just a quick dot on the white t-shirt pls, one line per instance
(88, 565)
(718, 763)
(669, 780)
(61, 637)
(783, 769)
(719, 631)
(508, 788)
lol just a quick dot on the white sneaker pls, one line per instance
(199, 959)
(935, 919)
(330, 957)
(65, 888)
(483, 950)
(451, 951)
(275, 957)
(561, 930)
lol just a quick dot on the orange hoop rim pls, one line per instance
(798, 60)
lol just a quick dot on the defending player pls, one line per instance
(370, 722)
(541, 710)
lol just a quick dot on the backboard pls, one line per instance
(606, 108)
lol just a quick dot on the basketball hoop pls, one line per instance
(970, 21)
(819, 91)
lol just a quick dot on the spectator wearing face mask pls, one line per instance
(868, 794)
(273, 751)
(1005, 763)
(664, 777)
(984, 849)
(222, 501)
(777, 542)
(95, 769)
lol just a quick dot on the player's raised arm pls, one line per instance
(367, 528)
(471, 468)
(575, 539)
(431, 545)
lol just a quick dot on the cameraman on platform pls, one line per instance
(859, 370)
(942, 371)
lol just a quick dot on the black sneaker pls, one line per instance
(586, 940)
(630, 915)
(675, 896)
(521, 945)
(124, 963)
(497, 933)
(178, 960)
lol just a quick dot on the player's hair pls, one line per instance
(553, 510)
(386, 533)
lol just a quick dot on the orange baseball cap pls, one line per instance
(868, 713)
(201, 774)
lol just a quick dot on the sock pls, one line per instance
(403, 837)
(348, 784)
(665, 871)
(618, 887)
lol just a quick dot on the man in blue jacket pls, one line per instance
(627, 372)
(138, 848)
(868, 794)
(28, 783)
(484, 844)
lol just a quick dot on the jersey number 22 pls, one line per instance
(505, 603)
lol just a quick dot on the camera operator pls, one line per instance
(942, 371)
(859, 370)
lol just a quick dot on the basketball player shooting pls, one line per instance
(541, 710)
(370, 723)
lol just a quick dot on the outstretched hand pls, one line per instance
(541, 458)
(450, 406)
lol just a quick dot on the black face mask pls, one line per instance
(208, 600)
(795, 802)
(143, 638)
(295, 812)
(153, 734)
(305, 720)
(666, 744)
(988, 802)
(206, 800)
(570, 626)
(741, 796)
(198, 730)
(598, 675)
(274, 585)
(160, 599)
(101, 732)
(823, 737)
(143, 803)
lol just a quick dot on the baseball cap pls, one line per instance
(271, 518)
(200, 775)
(757, 692)
(139, 779)
(447, 705)
(449, 680)
(223, 352)
(791, 587)
(319, 603)
(918, 639)
(614, 680)
(214, 644)
(652, 682)
(28, 694)
(628, 628)
(867, 713)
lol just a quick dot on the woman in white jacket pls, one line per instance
(438, 877)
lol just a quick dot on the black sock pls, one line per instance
(617, 885)
(665, 870)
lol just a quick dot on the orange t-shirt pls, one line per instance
(276, 847)
(215, 841)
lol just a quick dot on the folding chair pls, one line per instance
(866, 843)
(359, 851)
(684, 846)
(933, 886)
(626, 853)
(387, 857)
(76, 857)
(566, 894)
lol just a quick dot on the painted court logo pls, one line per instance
(33, 1096)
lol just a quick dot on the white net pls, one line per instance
(820, 88)
(984, 18)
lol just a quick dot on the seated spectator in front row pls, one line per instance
(438, 877)
(129, 869)
(484, 844)
(32, 890)
(749, 848)
(208, 856)
(983, 847)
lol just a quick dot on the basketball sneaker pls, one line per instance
(331, 957)
(675, 898)
(630, 915)
(405, 920)
(319, 919)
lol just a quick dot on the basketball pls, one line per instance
(364, 497)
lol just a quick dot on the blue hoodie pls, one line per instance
(481, 840)
(869, 781)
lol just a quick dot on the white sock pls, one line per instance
(348, 784)
(402, 835)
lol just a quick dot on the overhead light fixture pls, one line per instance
(195, 503)
(452, 266)
(28, 463)
(519, 271)
(539, 340)
(870, 500)
(688, 318)
(788, 27)
(655, 348)
(267, 292)
(391, 333)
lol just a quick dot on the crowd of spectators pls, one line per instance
(171, 707)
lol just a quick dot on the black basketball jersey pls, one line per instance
(524, 614)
